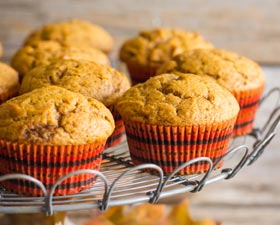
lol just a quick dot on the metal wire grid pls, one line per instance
(121, 183)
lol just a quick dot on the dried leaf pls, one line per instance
(115, 214)
(179, 215)
(99, 220)
(148, 214)
(145, 214)
(204, 222)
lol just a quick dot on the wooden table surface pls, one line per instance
(250, 28)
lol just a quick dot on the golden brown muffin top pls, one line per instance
(54, 116)
(44, 52)
(178, 100)
(74, 32)
(8, 78)
(234, 72)
(88, 78)
(1, 49)
(153, 47)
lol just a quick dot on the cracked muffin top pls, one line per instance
(44, 52)
(88, 78)
(8, 79)
(54, 116)
(234, 72)
(178, 100)
(153, 47)
(74, 32)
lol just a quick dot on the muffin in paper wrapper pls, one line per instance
(140, 74)
(119, 131)
(171, 146)
(49, 163)
(248, 102)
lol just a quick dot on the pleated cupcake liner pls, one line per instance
(171, 146)
(249, 103)
(48, 164)
(8, 94)
(140, 74)
(119, 131)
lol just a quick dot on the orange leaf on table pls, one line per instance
(144, 214)
(99, 220)
(204, 222)
(148, 214)
(116, 214)
(179, 215)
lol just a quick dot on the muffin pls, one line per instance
(9, 84)
(88, 78)
(243, 77)
(74, 32)
(171, 119)
(44, 52)
(145, 53)
(50, 132)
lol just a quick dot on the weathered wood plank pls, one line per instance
(250, 28)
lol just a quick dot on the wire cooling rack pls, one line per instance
(121, 183)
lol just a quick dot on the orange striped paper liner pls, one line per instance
(249, 103)
(119, 131)
(47, 164)
(140, 74)
(171, 146)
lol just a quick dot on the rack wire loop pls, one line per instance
(233, 171)
(198, 184)
(269, 93)
(149, 166)
(259, 149)
(17, 176)
(49, 200)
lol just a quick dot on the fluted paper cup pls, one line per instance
(249, 103)
(140, 74)
(171, 146)
(119, 131)
(48, 164)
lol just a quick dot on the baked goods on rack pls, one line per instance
(173, 118)
(240, 75)
(42, 53)
(145, 53)
(75, 32)
(50, 132)
(9, 84)
(101, 82)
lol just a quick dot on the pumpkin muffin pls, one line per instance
(44, 52)
(171, 119)
(240, 75)
(50, 132)
(9, 84)
(88, 78)
(74, 32)
(145, 53)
